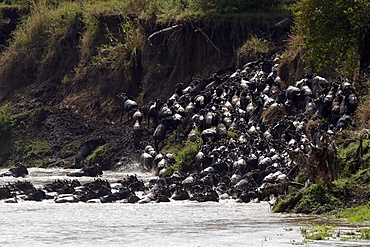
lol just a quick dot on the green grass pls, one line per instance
(5, 132)
(365, 233)
(5, 121)
(317, 232)
(318, 198)
(38, 148)
(356, 214)
(183, 152)
(255, 48)
(97, 154)
(324, 232)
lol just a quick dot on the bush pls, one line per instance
(185, 157)
(336, 33)
(254, 49)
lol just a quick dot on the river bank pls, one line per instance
(179, 223)
(228, 123)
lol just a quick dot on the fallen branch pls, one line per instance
(162, 31)
(209, 40)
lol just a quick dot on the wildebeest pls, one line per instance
(127, 105)
(153, 111)
(19, 171)
(91, 171)
(146, 161)
(5, 193)
(282, 27)
(159, 135)
(160, 132)
(86, 149)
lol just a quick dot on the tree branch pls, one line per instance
(198, 29)
(162, 31)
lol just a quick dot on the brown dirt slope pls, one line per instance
(57, 106)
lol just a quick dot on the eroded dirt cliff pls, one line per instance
(69, 98)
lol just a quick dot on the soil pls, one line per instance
(53, 116)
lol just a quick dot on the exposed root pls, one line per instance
(162, 31)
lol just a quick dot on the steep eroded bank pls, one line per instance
(63, 88)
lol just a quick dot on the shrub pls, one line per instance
(253, 49)
(320, 198)
(335, 33)
(185, 157)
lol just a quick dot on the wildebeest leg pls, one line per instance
(156, 145)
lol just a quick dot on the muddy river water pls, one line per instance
(185, 223)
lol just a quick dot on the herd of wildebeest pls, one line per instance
(254, 135)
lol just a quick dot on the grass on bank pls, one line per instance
(183, 152)
(5, 132)
(168, 9)
(317, 232)
(321, 232)
(356, 214)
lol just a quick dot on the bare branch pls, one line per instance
(162, 31)
(208, 39)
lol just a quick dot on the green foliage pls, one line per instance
(231, 134)
(5, 130)
(28, 119)
(185, 157)
(161, 8)
(232, 6)
(5, 122)
(35, 43)
(333, 32)
(365, 233)
(38, 149)
(354, 157)
(173, 143)
(254, 48)
(356, 214)
(117, 55)
(183, 152)
(318, 198)
(33, 152)
(318, 232)
(97, 155)
(287, 204)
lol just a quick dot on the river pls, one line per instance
(185, 223)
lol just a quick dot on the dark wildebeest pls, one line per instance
(86, 149)
(146, 161)
(91, 171)
(282, 28)
(19, 171)
(127, 105)
(5, 192)
(160, 132)
(153, 111)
